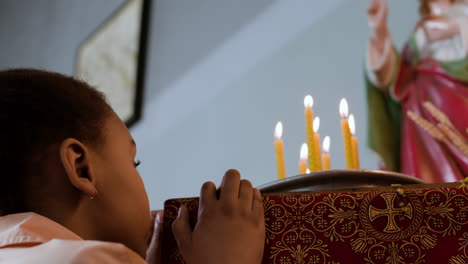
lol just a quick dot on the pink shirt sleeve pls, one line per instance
(57, 251)
(32, 238)
(105, 253)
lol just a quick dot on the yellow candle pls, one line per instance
(317, 157)
(309, 115)
(279, 149)
(346, 134)
(326, 153)
(303, 158)
(354, 141)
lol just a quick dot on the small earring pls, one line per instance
(92, 196)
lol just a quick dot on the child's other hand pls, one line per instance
(230, 229)
(153, 253)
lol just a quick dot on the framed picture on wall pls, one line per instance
(112, 59)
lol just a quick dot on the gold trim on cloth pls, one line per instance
(393, 225)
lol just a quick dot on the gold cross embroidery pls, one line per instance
(390, 212)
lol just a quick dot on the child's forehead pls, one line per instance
(117, 130)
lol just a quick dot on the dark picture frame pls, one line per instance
(107, 63)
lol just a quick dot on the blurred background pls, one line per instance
(219, 75)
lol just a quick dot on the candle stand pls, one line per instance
(338, 180)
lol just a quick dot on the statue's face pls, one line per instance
(435, 7)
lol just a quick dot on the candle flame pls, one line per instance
(304, 152)
(279, 130)
(352, 124)
(344, 108)
(307, 171)
(316, 124)
(308, 101)
(326, 144)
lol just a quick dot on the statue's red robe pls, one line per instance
(403, 145)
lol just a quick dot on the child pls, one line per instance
(71, 193)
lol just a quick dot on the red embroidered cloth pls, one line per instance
(410, 224)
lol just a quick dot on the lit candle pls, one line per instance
(354, 141)
(317, 157)
(326, 153)
(309, 116)
(303, 159)
(279, 149)
(307, 171)
(346, 134)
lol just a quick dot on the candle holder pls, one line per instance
(338, 180)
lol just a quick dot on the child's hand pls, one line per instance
(153, 253)
(230, 229)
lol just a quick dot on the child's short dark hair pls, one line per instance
(38, 110)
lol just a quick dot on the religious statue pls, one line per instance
(418, 98)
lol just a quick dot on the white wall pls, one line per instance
(220, 75)
(221, 113)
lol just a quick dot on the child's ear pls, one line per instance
(75, 158)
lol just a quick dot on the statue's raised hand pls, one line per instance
(377, 14)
